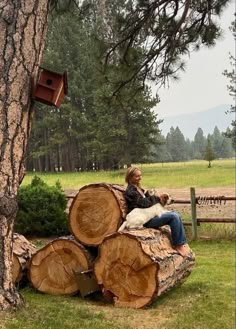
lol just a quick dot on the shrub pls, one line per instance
(41, 209)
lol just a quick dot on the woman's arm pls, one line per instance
(135, 200)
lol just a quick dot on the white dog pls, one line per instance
(139, 216)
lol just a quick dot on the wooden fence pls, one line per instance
(194, 201)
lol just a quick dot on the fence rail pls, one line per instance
(216, 220)
(194, 202)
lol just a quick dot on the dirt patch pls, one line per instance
(133, 318)
(214, 209)
(217, 209)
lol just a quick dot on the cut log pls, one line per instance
(51, 269)
(22, 253)
(97, 211)
(136, 266)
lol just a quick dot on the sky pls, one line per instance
(202, 86)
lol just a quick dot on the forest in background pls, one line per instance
(92, 130)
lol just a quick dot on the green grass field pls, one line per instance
(172, 175)
(205, 301)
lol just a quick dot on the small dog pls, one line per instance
(139, 216)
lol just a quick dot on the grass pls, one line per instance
(205, 301)
(218, 231)
(208, 297)
(169, 175)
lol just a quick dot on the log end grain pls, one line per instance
(96, 212)
(136, 266)
(52, 268)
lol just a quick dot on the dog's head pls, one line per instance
(165, 199)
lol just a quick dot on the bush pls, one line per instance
(41, 209)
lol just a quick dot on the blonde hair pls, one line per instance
(130, 173)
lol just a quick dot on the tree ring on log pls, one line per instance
(52, 268)
(129, 274)
(96, 211)
(138, 265)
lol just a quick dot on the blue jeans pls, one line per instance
(176, 226)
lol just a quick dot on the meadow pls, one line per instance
(168, 175)
(164, 176)
(205, 301)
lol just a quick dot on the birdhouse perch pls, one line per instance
(50, 88)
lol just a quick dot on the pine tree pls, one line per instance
(164, 31)
(90, 122)
(231, 75)
(209, 154)
(217, 139)
(22, 34)
(199, 144)
(176, 145)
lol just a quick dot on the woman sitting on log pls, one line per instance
(137, 198)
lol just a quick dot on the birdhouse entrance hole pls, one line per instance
(50, 88)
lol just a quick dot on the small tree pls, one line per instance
(41, 210)
(209, 154)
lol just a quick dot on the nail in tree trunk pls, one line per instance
(136, 266)
(22, 36)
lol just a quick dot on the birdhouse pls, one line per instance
(50, 88)
(86, 281)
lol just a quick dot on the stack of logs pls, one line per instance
(133, 266)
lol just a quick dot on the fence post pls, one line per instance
(194, 213)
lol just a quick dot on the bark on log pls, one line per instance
(51, 269)
(136, 266)
(22, 253)
(97, 211)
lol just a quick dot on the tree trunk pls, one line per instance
(58, 165)
(51, 269)
(66, 163)
(22, 253)
(97, 211)
(22, 36)
(136, 266)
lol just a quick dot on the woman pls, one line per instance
(137, 198)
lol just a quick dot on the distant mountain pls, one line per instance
(207, 120)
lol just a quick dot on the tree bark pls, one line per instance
(23, 26)
(22, 253)
(51, 269)
(136, 266)
(97, 211)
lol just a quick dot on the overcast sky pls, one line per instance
(202, 86)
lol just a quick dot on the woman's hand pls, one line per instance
(152, 192)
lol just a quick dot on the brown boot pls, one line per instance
(183, 249)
